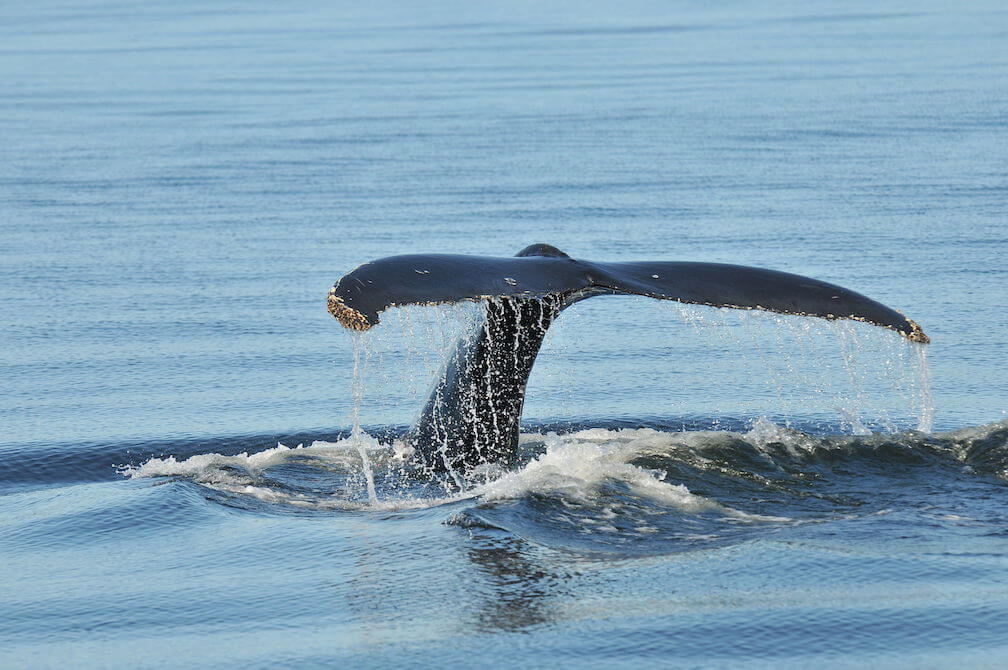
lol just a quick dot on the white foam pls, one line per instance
(240, 474)
(577, 465)
(765, 432)
(212, 467)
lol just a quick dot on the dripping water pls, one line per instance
(853, 395)
(857, 376)
(356, 433)
(800, 369)
(925, 400)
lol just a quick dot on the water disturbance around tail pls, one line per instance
(794, 372)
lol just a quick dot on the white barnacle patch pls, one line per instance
(349, 317)
(917, 333)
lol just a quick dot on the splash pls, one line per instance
(624, 482)
(253, 475)
(212, 468)
(840, 364)
(576, 466)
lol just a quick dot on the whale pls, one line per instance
(471, 417)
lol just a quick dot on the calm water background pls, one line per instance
(180, 183)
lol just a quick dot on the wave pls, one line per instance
(654, 464)
(613, 486)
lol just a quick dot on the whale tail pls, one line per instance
(472, 414)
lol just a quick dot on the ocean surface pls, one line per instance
(182, 423)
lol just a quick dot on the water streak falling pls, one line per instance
(356, 433)
(751, 364)
(791, 369)
(923, 396)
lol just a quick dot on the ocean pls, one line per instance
(199, 466)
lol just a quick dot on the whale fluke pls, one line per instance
(472, 415)
(541, 270)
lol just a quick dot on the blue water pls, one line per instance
(181, 182)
